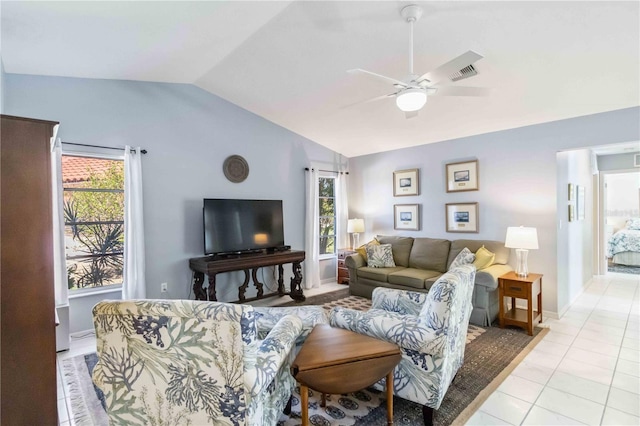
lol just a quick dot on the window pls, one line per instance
(93, 191)
(327, 209)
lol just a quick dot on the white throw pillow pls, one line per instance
(633, 223)
(380, 256)
(465, 257)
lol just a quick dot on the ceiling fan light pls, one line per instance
(411, 100)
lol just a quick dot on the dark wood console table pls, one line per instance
(212, 266)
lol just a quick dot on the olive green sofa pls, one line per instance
(421, 261)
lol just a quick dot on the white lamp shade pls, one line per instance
(521, 237)
(355, 225)
(411, 100)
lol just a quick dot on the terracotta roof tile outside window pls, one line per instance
(77, 169)
(94, 221)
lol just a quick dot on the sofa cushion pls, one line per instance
(401, 247)
(380, 256)
(377, 274)
(497, 247)
(430, 253)
(362, 250)
(430, 281)
(412, 277)
(465, 257)
(484, 258)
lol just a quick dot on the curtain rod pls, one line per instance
(328, 171)
(142, 151)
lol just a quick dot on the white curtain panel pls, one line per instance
(134, 285)
(312, 231)
(59, 260)
(343, 211)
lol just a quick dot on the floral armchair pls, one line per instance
(430, 328)
(191, 362)
(310, 315)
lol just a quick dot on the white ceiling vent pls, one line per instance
(466, 72)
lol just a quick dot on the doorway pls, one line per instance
(620, 192)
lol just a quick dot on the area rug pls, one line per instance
(490, 355)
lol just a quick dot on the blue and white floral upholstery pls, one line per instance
(430, 329)
(310, 315)
(180, 362)
(465, 257)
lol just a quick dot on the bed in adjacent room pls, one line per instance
(624, 245)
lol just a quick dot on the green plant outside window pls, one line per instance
(93, 191)
(327, 216)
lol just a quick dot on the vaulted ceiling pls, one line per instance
(287, 61)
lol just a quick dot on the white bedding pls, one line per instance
(628, 258)
(624, 245)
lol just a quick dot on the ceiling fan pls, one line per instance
(411, 94)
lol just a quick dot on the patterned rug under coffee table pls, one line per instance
(490, 355)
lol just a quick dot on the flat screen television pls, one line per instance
(237, 226)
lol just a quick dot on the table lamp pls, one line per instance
(522, 239)
(355, 226)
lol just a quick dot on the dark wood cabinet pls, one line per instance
(27, 316)
(343, 271)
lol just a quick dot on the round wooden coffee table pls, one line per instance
(337, 361)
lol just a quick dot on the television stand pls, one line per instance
(233, 254)
(213, 265)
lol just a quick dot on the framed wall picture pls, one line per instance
(406, 182)
(462, 176)
(580, 194)
(406, 216)
(462, 217)
(572, 213)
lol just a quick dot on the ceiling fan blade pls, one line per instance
(378, 76)
(462, 91)
(456, 64)
(410, 114)
(377, 98)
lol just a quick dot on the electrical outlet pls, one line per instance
(163, 288)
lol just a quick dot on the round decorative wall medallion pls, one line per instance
(235, 168)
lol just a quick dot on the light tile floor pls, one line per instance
(586, 370)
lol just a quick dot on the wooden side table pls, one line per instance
(515, 287)
(343, 271)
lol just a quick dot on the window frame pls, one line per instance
(323, 256)
(99, 154)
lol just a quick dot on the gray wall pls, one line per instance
(518, 185)
(616, 161)
(188, 133)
